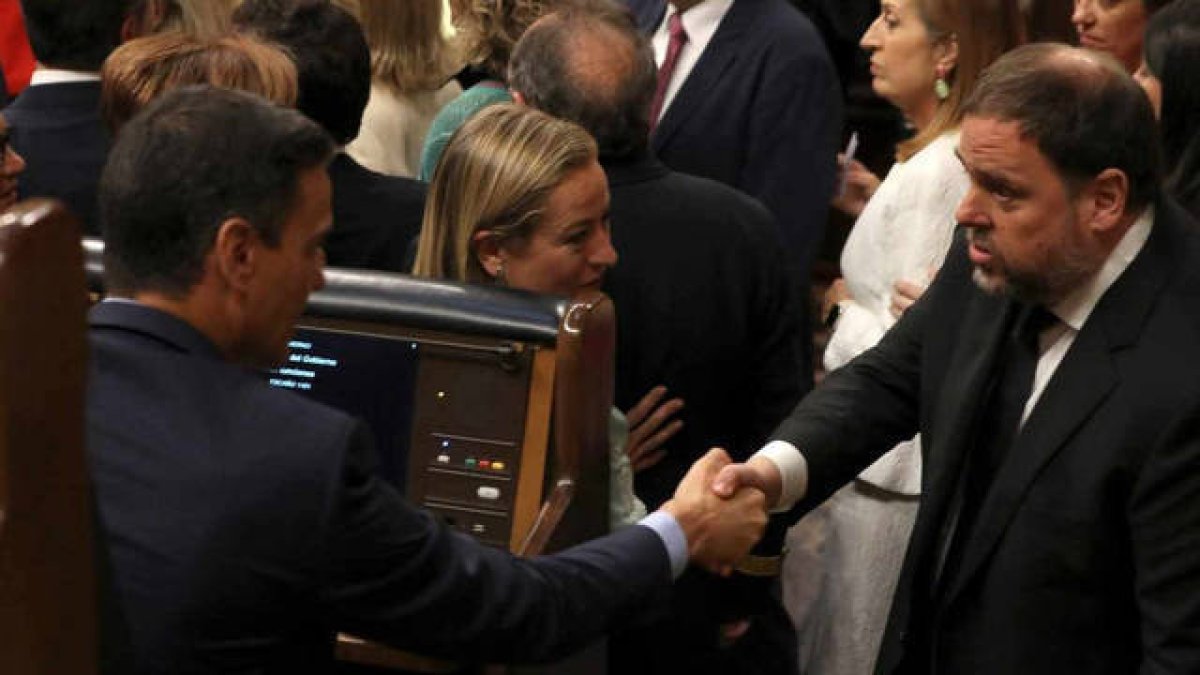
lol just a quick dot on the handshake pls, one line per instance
(722, 513)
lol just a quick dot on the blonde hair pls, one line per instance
(489, 29)
(983, 30)
(408, 51)
(140, 70)
(204, 19)
(496, 174)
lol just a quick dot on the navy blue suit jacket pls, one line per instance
(762, 112)
(246, 524)
(57, 129)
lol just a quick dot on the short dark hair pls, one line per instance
(331, 54)
(74, 34)
(189, 161)
(1081, 109)
(1172, 52)
(613, 107)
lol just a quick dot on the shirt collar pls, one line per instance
(45, 75)
(701, 21)
(1075, 309)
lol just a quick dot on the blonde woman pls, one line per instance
(204, 19)
(412, 66)
(141, 70)
(487, 32)
(926, 56)
(535, 217)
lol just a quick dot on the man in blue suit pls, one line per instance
(245, 524)
(56, 122)
(749, 97)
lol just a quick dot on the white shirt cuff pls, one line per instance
(793, 470)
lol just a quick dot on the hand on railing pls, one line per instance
(720, 530)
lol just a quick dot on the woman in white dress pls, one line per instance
(412, 65)
(846, 556)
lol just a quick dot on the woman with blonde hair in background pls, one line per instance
(141, 70)
(487, 32)
(412, 65)
(204, 19)
(519, 199)
(845, 558)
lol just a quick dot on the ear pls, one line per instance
(518, 97)
(235, 253)
(945, 55)
(489, 252)
(1107, 194)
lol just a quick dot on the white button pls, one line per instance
(489, 493)
(443, 459)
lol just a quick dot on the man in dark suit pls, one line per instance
(1057, 397)
(245, 524)
(56, 122)
(375, 217)
(705, 307)
(751, 100)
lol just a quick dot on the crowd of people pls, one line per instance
(999, 472)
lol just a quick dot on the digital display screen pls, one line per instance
(371, 377)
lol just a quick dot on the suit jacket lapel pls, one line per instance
(966, 385)
(720, 54)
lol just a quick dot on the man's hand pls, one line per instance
(759, 473)
(720, 530)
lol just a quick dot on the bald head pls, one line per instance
(589, 64)
(1082, 110)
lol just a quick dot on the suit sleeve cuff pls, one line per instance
(793, 472)
(668, 530)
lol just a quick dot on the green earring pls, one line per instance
(941, 89)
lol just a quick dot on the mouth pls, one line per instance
(1089, 41)
(8, 195)
(979, 250)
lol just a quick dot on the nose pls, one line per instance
(1081, 16)
(602, 252)
(870, 39)
(968, 211)
(318, 281)
(14, 164)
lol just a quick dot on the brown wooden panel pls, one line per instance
(47, 586)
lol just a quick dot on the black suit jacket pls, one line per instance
(57, 129)
(706, 307)
(1082, 558)
(375, 217)
(245, 524)
(761, 111)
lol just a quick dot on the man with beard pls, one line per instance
(1056, 397)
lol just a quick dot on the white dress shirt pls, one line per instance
(1072, 311)
(58, 76)
(700, 23)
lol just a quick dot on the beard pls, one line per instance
(1063, 268)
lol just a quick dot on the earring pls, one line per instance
(941, 88)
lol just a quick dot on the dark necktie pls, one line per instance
(678, 39)
(1012, 384)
